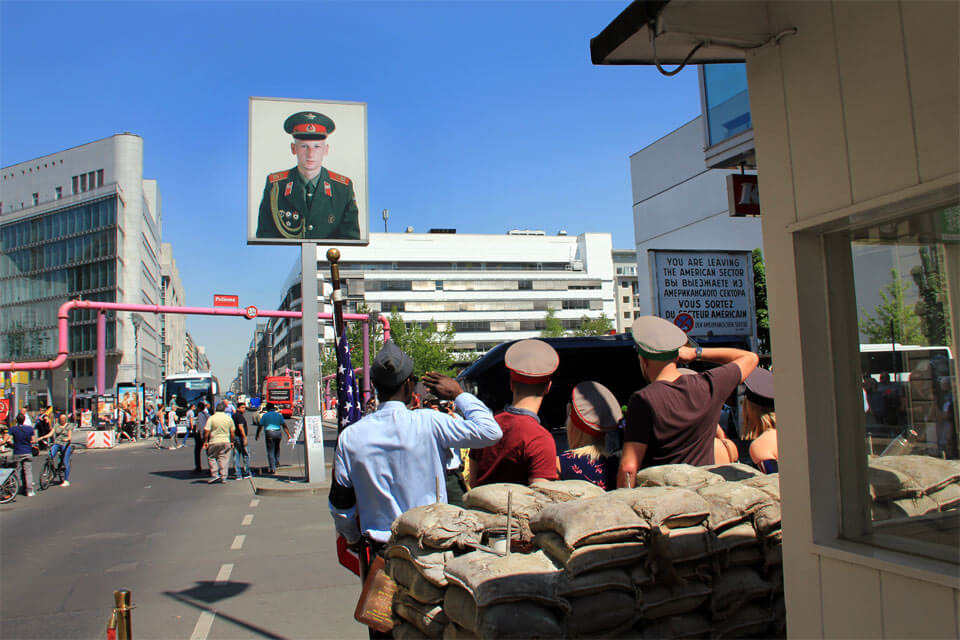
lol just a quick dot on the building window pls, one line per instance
(727, 101)
(99, 177)
(896, 380)
(626, 299)
(76, 184)
(83, 182)
(36, 199)
(59, 192)
(92, 179)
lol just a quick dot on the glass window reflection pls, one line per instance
(728, 103)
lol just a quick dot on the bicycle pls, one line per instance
(9, 486)
(52, 470)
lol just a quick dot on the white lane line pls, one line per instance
(247, 519)
(224, 574)
(238, 542)
(148, 486)
(255, 502)
(203, 626)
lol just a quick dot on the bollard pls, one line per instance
(112, 626)
(122, 606)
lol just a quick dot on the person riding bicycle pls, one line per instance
(62, 436)
(23, 438)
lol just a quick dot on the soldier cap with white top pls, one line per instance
(657, 339)
(594, 409)
(531, 361)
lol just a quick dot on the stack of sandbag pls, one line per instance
(691, 552)
(909, 486)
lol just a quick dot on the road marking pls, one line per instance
(148, 486)
(203, 626)
(224, 574)
(247, 519)
(255, 502)
(238, 542)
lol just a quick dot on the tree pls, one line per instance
(552, 326)
(892, 320)
(760, 301)
(594, 326)
(932, 285)
(430, 348)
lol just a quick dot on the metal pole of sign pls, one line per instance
(314, 465)
(333, 257)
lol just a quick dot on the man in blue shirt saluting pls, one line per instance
(394, 459)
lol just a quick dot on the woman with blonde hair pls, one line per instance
(760, 420)
(592, 413)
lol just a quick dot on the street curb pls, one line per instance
(303, 490)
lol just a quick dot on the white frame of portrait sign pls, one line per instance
(268, 152)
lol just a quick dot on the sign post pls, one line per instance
(314, 465)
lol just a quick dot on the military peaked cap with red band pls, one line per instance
(309, 125)
(594, 409)
(531, 361)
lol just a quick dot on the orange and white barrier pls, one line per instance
(100, 440)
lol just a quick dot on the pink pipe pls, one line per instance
(64, 312)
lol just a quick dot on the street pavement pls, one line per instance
(202, 561)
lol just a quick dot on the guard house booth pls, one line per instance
(854, 109)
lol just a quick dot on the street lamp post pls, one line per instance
(137, 321)
(386, 216)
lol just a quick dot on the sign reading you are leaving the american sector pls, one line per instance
(706, 292)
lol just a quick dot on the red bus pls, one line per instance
(279, 391)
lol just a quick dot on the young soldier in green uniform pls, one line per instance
(308, 201)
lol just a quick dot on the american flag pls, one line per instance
(349, 402)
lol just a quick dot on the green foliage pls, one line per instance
(553, 327)
(892, 320)
(932, 285)
(430, 348)
(594, 326)
(760, 299)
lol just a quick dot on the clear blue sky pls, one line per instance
(483, 116)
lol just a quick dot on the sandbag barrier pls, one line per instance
(689, 552)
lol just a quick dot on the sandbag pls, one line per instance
(596, 520)
(508, 620)
(493, 498)
(564, 490)
(734, 588)
(406, 631)
(491, 579)
(926, 473)
(640, 575)
(948, 497)
(676, 475)
(429, 619)
(438, 526)
(406, 575)
(519, 620)
(591, 557)
(750, 620)
(690, 543)
(767, 520)
(658, 601)
(454, 631)
(691, 625)
(668, 506)
(600, 613)
(779, 626)
(594, 582)
(889, 483)
(903, 508)
(734, 471)
(768, 483)
(429, 562)
(732, 503)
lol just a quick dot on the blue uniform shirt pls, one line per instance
(393, 458)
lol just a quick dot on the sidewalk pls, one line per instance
(289, 481)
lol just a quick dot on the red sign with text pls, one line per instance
(226, 301)
(743, 195)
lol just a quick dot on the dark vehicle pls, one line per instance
(610, 360)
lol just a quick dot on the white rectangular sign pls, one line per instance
(706, 293)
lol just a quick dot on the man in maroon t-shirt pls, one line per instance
(527, 452)
(674, 418)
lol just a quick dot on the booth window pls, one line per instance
(898, 418)
(727, 101)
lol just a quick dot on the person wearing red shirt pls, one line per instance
(527, 452)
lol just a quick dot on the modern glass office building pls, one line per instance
(80, 223)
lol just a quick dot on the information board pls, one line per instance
(705, 293)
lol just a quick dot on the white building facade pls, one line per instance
(82, 222)
(626, 289)
(489, 288)
(173, 327)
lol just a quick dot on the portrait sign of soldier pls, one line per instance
(307, 172)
